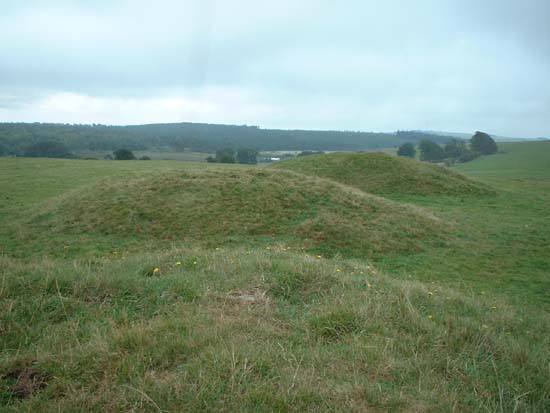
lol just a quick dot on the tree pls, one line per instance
(455, 149)
(48, 149)
(226, 155)
(483, 143)
(430, 151)
(248, 156)
(407, 149)
(124, 155)
(144, 158)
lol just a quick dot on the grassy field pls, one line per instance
(156, 155)
(174, 286)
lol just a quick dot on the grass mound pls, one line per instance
(383, 174)
(220, 205)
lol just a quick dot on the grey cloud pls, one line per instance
(346, 65)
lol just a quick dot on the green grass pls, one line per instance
(503, 241)
(515, 163)
(384, 174)
(279, 292)
(217, 206)
(233, 332)
(26, 181)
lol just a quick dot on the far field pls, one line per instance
(158, 155)
(337, 282)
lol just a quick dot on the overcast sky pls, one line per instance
(453, 65)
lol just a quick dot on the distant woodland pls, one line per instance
(17, 138)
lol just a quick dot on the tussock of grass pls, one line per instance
(301, 283)
(112, 339)
(337, 324)
(220, 206)
(383, 174)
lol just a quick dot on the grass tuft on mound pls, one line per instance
(383, 174)
(215, 206)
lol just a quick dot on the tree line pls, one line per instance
(456, 150)
(19, 139)
(230, 155)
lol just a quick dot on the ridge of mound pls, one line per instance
(217, 205)
(383, 174)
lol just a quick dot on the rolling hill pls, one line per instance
(383, 174)
(177, 286)
(16, 138)
(216, 205)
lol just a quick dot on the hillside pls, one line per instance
(383, 174)
(515, 161)
(15, 138)
(217, 205)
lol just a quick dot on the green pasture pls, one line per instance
(166, 286)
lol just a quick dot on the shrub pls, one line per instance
(455, 148)
(226, 155)
(144, 158)
(466, 157)
(247, 156)
(458, 151)
(407, 149)
(124, 155)
(336, 324)
(430, 151)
